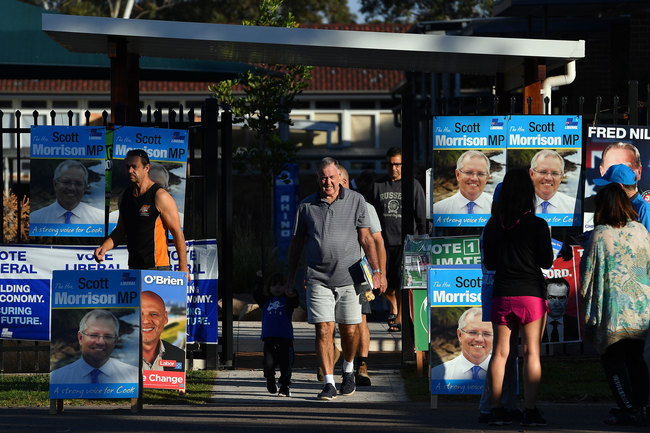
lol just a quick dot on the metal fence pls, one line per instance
(210, 130)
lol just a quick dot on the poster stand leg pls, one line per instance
(136, 405)
(56, 406)
(434, 401)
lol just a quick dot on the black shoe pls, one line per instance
(516, 415)
(347, 384)
(499, 416)
(532, 417)
(627, 418)
(328, 392)
(284, 391)
(270, 385)
(484, 417)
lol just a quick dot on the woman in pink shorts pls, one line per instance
(517, 246)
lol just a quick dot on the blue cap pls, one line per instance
(617, 173)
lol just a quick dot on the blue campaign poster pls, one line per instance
(94, 349)
(167, 150)
(202, 311)
(469, 160)
(454, 294)
(24, 308)
(550, 148)
(67, 181)
(286, 192)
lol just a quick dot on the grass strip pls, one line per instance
(32, 390)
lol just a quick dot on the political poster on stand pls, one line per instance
(24, 296)
(550, 149)
(67, 181)
(469, 160)
(284, 208)
(460, 342)
(167, 151)
(420, 252)
(563, 324)
(607, 145)
(95, 334)
(26, 273)
(164, 329)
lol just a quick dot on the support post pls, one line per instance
(409, 126)
(125, 80)
(225, 217)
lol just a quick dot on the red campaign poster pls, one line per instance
(563, 322)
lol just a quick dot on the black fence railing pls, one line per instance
(593, 109)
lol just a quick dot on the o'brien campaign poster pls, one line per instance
(95, 334)
(468, 162)
(164, 329)
(549, 147)
(167, 151)
(67, 181)
(608, 145)
(460, 342)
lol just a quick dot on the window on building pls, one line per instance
(99, 105)
(389, 134)
(36, 104)
(362, 130)
(388, 104)
(328, 105)
(320, 137)
(364, 104)
(64, 104)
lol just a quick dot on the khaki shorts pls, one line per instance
(336, 304)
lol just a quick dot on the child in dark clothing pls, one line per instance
(277, 332)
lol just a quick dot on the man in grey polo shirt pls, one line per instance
(331, 225)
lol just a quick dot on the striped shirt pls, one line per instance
(332, 241)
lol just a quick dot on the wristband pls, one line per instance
(376, 271)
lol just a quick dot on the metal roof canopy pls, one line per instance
(27, 52)
(316, 47)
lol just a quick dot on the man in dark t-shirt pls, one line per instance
(387, 199)
(147, 211)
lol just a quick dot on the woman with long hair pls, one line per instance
(616, 298)
(517, 246)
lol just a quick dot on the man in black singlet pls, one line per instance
(147, 212)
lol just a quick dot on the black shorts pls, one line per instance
(394, 267)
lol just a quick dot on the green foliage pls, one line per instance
(210, 11)
(317, 11)
(269, 93)
(408, 11)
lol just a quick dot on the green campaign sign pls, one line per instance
(422, 252)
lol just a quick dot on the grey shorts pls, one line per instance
(338, 304)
